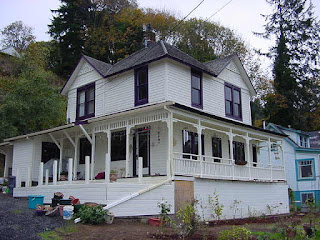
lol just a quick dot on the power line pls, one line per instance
(186, 16)
(218, 10)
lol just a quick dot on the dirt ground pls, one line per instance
(133, 230)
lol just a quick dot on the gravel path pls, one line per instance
(19, 222)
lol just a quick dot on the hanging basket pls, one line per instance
(241, 163)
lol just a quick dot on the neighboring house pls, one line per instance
(11, 51)
(172, 127)
(302, 163)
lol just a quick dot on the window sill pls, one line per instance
(306, 179)
(197, 106)
(234, 118)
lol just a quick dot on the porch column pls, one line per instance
(128, 129)
(109, 150)
(40, 180)
(54, 172)
(270, 159)
(140, 173)
(76, 160)
(248, 154)
(87, 169)
(93, 151)
(29, 176)
(170, 163)
(107, 168)
(231, 150)
(47, 177)
(60, 158)
(70, 163)
(199, 129)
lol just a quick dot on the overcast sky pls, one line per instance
(243, 16)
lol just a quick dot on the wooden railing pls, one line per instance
(223, 168)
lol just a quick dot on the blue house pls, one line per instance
(301, 158)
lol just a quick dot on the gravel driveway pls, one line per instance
(17, 221)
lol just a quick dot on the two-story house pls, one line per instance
(302, 163)
(171, 127)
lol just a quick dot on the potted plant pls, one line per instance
(63, 176)
(241, 163)
(113, 175)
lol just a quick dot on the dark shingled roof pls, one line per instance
(315, 139)
(152, 53)
(219, 64)
(100, 66)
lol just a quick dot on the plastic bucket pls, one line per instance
(67, 212)
(34, 200)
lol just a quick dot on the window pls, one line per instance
(141, 85)
(254, 155)
(233, 102)
(85, 101)
(216, 148)
(196, 89)
(190, 144)
(49, 151)
(238, 152)
(307, 197)
(303, 141)
(305, 169)
(118, 146)
(85, 150)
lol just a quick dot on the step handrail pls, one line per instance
(127, 198)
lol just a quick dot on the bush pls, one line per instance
(91, 214)
(236, 233)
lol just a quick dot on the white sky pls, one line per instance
(243, 16)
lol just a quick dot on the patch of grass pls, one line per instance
(58, 233)
(16, 211)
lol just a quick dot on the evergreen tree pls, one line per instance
(295, 56)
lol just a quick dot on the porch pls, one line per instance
(153, 141)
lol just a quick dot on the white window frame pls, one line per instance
(300, 165)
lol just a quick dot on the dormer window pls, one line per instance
(141, 85)
(233, 101)
(86, 102)
(303, 141)
(196, 89)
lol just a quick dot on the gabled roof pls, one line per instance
(156, 52)
(314, 139)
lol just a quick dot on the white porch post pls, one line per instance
(6, 165)
(128, 129)
(107, 168)
(40, 180)
(60, 158)
(140, 169)
(170, 163)
(18, 178)
(70, 163)
(47, 177)
(87, 169)
(93, 151)
(109, 151)
(270, 159)
(76, 160)
(231, 150)
(283, 161)
(199, 129)
(29, 181)
(248, 154)
(54, 177)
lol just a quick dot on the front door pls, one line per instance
(141, 148)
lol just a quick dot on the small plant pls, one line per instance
(235, 207)
(91, 214)
(252, 213)
(236, 233)
(216, 206)
(271, 208)
(165, 209)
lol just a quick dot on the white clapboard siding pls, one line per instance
(253, 197)
(22, 157)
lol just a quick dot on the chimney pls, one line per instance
(149, 35)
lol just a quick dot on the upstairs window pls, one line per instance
(303, 141)
(196, 89)
(305, 169)
(85, 101)
(141, 85)
(233, 101)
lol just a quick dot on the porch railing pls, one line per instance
(223, 168)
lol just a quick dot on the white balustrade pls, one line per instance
(40, 180)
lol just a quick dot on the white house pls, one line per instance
(302, 163)
(143, 117)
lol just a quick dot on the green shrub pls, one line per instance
(236, 233)
(91, 214)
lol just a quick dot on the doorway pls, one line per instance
(141, 148)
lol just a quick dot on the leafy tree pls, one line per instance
(295, 57)
(17, 35)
